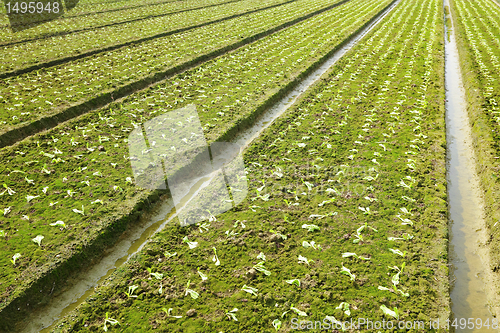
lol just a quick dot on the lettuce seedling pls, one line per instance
(260, 267)
(15, 257)
(294, 281)
(38, 240)
(192, 293)
(389, 312)
(108, 320)
(304, 260)
(231, 314)
(61, 223)
(131, 290)
(347, 271)
(352, 254)
(250, 290)
(311, 244)
(398, 252)
(215, 259)
(168, 313)
(344, 306)
(191, 245)
(277, 324)
(310, 227)
(2, 233)
(297, 311)
(203, 276)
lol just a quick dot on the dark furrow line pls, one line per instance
(60, 61)
(64, 33)
(21, 132)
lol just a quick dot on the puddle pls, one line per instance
(134, 240)
(468, 276)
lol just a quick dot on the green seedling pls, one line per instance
(15, 257)
(231, 314)
(310, 227)
(311, 244)
(108, 320)
(304, 260)
(38, 240)
(389, 312)
(277, 324)
(260, 267)
(131, 290)
(352, 254)
(168, 313)
(250, 290)
(215, 258)
(347, 271)
(344, 306)
(191, 245)
(294, 281)
(58, 223)
(192, 293)
(398, 252)
(202, 275)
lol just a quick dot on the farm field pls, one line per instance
(348, 212)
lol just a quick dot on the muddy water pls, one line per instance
(468, 259)
(134, 240)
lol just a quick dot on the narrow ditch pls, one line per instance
(134, 239)
(468, 257)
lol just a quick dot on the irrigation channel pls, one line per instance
(134, 239)
(468, 259)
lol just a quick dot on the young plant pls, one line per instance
(250, 290)
(261, 256)
(215, 258)
(191, 245)
(79, 211)
(297, 311)
(260, 267)
(347, 271)
(131, 290)
(304, 260)
(231, 314)
(168, 313)
(389, 312)
(311, 244)
(15, 257)
(108, 320)
(192, 293)
(38, 240)
(398, 252)
(277, 324)
(310, 227)
(344, 306)
(352, 254)
(294, 281)
(202, 275)
(170, 255)
(58, 223)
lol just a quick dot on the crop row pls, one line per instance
(88, 21)
(346, 203)
(37, 51)
(50, 91)
(79, 174)
(478, 28)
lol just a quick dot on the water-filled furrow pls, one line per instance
(467, 253)
(133, 240)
